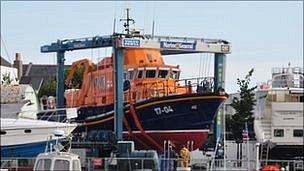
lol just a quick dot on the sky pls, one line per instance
(263, 35)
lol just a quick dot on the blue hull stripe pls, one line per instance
(24, 150)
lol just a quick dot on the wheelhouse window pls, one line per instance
(150, 73)
(76, 165)
(43, 164)
(162, 73)
(61, 165)
(298, 132)
(130, 74)
(140, 74)
(124, 75)
(174, 74)
(278, 132)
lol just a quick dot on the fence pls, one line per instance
(15, 164)
(158, 164)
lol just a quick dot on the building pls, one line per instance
(7, 70)
(33, 74)
(37, 74)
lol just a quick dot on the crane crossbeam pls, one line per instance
(77, 44)
(168, 45)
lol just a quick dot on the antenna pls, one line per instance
(153, 24)
(127, 24)
(114, 26)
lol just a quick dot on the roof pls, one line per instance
(57, 155)
(35, 70)
(37, 74)
(4, 62)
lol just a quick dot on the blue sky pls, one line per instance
(263, 34)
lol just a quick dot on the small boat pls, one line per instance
(54, 161)
(57, 160)
(28, 137)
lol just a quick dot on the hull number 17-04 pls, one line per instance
(163, 110)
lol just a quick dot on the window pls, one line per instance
(27, 131)
(130, 74)
(174, 75)
(76, 165)
(298, 132)
(61, 165)
(150, 73)
(3, 132)
(162, 73)
(124, 76)
(140, 74)
(43, 164)
(278, 133)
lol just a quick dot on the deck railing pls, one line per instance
(163, 88)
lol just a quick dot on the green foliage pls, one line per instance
(244, 108)
(78, 76)
(7, 78)
(48, 88)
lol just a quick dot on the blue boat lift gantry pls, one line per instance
(167, 46)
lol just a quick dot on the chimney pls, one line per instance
(18, 64)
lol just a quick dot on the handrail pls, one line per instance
(161, 88)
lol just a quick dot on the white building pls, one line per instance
(8, 70)
(11, 72)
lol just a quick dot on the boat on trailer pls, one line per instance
(158, 105)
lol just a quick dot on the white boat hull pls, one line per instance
(21, 135)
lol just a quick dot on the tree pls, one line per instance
(244, 108)
(77, 77)
(7, 78)
(48, 88)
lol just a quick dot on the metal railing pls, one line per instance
(291, 83)
(199, 84)
(159, 164)
(17, 164)
(167, 87)
(163, 88)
